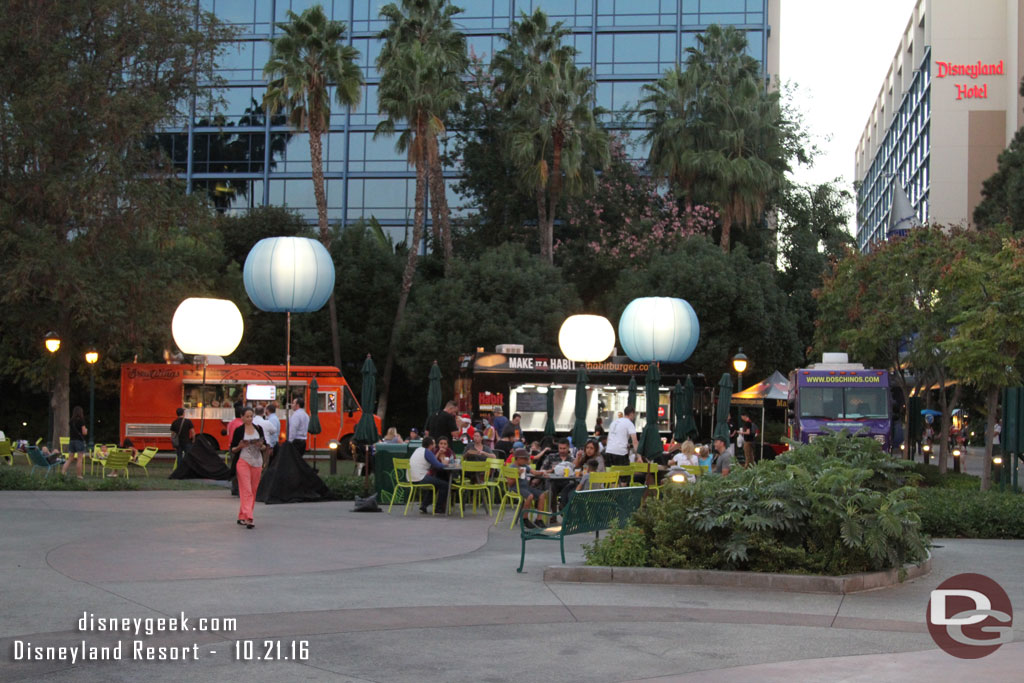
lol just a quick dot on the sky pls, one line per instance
(836, 54)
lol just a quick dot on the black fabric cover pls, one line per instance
(203, 462)
(289, 479)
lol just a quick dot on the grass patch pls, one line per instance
(952, 513)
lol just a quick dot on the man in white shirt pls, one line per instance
(260, 419)
(421, 462)
(298, 425)
(272, 429)
(621, 434)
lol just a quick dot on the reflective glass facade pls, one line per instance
(244, 160)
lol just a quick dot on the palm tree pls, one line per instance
(554, 139)
(716, 134)
(421, 64)
(304, 62)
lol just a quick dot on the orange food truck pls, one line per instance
(151, 393)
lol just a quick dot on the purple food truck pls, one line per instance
(837, 394)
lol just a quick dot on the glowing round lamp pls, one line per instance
(289, 274)
(207, 327)
(91, 356)
(52, 342)
(659, 329)
(586, 338)
(739, 362)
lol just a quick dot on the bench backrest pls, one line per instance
(37, 457)
(599, 509)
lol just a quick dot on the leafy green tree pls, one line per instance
(98, 244)
(421, 63)
(553, 138)
(481, 302)
(307, 60)
(737, 301)
(986, 345)
(716, 133)
(1003, 192)
(813, 235)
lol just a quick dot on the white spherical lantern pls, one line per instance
(586, 338)
(293, 274)
(659, 329)
(207, 327)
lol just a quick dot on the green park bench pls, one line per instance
(587, 511)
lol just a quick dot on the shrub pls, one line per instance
(931, 478)
(344, 487)
(837, 506)
(625, 547)
(954, 513)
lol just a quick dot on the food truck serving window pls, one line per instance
(839, 402)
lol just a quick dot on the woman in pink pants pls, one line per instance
(247, 444)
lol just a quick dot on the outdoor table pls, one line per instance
(549, 483)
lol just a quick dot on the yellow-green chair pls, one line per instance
(97, 455)
(65, 446)
(604, 480)
(143, 458)
(623, 472)
(117, 459)
(494, 482)
(468, 482)
(401, 468)
(695, 470)
(648, 471)
(6, 452)
(510, 475)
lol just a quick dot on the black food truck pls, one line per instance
(519, 382)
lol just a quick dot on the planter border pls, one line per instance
(794, 583)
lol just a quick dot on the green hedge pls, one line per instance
(344, 486)
(836, 506)
(19, 479)
(971, 514)
(931, 478)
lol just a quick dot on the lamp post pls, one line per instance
(739, 364)
(91, 356)
(52, 343)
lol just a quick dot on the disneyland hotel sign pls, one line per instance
(966, 91)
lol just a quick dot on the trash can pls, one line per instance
(383, 468)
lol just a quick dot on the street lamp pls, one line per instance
(91, 356)
(52, 343)
(739, 364)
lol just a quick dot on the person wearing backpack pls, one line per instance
(183, 432)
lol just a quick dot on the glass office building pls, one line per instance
(948, 106)
(232, 152)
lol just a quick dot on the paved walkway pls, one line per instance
(387, 598)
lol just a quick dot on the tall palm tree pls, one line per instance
(716, 134)
(421, 64)
(304, 62)
(554, 139)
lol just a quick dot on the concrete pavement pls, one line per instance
(373, 597)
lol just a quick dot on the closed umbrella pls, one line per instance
(689, 428)
(722, 410)
(366, 429)
(631, 397)
(677, 412)
(314, 408)
(650, 440)
(434, 391)
(549, 425)
(579, 428)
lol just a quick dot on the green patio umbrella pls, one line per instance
(722, 410)
(434, 392)
(677, 412)
(579, 427)
(366, 429)
(314, 409)
(650, 440)
(631, 397)
(549, 425)
(689, 426)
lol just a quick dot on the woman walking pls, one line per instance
(76, 446)
(247, 443)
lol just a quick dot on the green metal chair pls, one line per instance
(401, 466)
(512, 495)
(143, 458)
(38, 460)
(117, 459)
(469, 482)
(495, 482)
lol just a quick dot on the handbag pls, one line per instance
(368, 504)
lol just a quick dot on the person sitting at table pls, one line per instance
(490, 434)
(477, 450)
(584, 484)
(421, 462)
(413, 434)
(687, 454)
(591, 451)
(444, 450)
(392, 436)
(550, 460)
(704, 458)
(531, 496)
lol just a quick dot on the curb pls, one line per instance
(794, 583)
